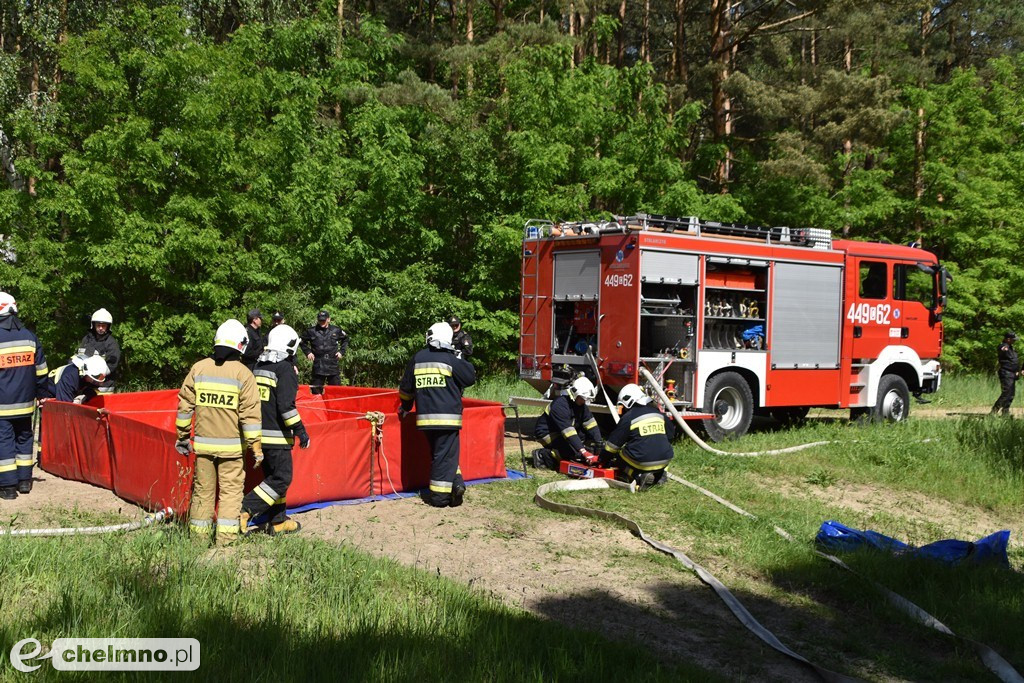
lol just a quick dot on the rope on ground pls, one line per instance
(734, 605)
(995, 663)
(376, 419)
(159, 516)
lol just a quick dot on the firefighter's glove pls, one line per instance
(458, 353)
(588, 457)
(183, 446)
(303, 437)
(257, 454)
(402, 412)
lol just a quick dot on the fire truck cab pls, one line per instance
(734, 320)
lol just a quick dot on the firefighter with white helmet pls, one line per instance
(639, 445)
(23, 379)
(282, 424)
(559, 427)
(221, 395)
(100, 341)
(80, 380)
(435, 379)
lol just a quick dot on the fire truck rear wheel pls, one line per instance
(728, 397)
(893, 404)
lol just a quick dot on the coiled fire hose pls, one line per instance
(159, 516)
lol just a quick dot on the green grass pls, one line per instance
(966, 391)
(292, 609)
(498, 388)
(973, 466)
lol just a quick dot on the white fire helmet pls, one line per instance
(440, 336)
(7, 304)
(630, 395)
(231, 334)
(282, 342)
(102, 316)
(581, 386)
(95, 369)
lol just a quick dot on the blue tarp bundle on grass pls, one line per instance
(838, 537)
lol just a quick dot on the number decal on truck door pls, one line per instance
(866, 314)
(625, 280)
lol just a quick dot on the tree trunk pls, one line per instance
(721, 105)
(645, 44)
(847, 142)
(681, 67)
(469, 39)
(620, 56)
(341, 26)
(919, 134)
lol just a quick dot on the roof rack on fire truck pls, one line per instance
(815, 238)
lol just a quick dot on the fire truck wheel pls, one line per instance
(728, 397)
(893, 404)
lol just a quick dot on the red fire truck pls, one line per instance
(734, 320)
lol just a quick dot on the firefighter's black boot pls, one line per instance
(458, 491)
(25, 486)
(543, 459)
(8, 493)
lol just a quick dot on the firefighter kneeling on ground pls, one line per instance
(559, 427)
(639, 445)
(435, 379)
(278, 385)
(221, 394)
(80, 380)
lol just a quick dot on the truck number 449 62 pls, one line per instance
(866, 314)
(625, 280)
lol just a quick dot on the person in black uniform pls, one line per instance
(1009, 371)
(278, 385)
(639, 445)
(255, 346)
(100, 341)
(559, 426)
(324, 345)
(461, 340)
(435, 379)
(80, 380)
(23, 379)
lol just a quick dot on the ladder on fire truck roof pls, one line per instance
(814, 238)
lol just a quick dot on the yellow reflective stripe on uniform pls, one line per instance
(611, 448)
(289, 421)
(439, 420)
(229, 527)
(14, 409)
(432, 369)
(250, 430)
(649, 425)
(645, 466)
(275, 437)
(200, 526)
(440, 486)
(266, 377)
(183, 420)
(209, 444)
(590, 424)
(19, 462)
(404, 396)
(268, 494)
(569, 431)
(545, 440)
(41, 370)
(16, 345)
(8, 465)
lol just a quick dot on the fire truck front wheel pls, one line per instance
(727, 396)
(893, 404)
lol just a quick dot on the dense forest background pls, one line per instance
(181, 163)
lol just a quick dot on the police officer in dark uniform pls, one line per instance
(639, 445)
(460, 338)
(255, 346)
(23, 379)
(1009, 371)
(435, 379)
(324, 345)
(559, 426)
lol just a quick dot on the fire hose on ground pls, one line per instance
(992, 660)
(154, 518)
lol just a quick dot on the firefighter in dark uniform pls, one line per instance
(255, 346)
(278, 385)
(324, 345)
(639, 445)
(80, 380)
(1009, 371)
(559, 427)
(23, 379)
(100, 341)
(460, 338)
(435, 379)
